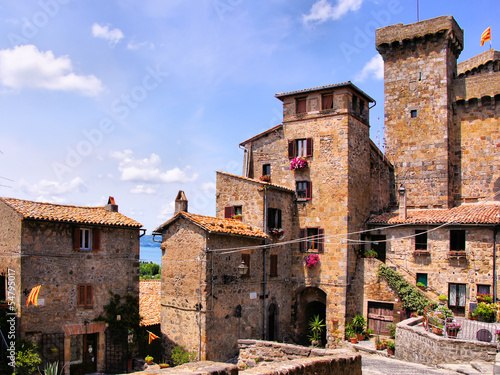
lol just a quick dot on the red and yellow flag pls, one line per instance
(33, 296)
(152, 337)
(486, 35)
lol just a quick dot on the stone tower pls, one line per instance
(420, 63)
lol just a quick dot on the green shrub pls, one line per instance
(391, 344)
(486, 312)
(358, 324)
(181, 356)
(52, 369)
(392, 329)
(412, 298)
(27, 359)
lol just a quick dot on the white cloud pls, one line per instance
(148, 170)
(322, 10)
(137, 45)
(373, 68)
(208, 187)
(53, 191)
(27, 67)
(142, 189)
(166, 211)
(113, 36)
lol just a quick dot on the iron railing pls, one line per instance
(471, 330)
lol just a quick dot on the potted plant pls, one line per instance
(379, 344)
(316, 326)
(353, 338)
(237, 217)
(358, 324)
(298, 163)
(265, 178)
(391, 345)
(371, 254)
(277, 232)
(442, 299)
(310, 260)
(486, 312)
(149, 359)
(163, 365)
(392, 329)
(452, 329)
(420, 286)
(473, 315)
(368, 332)
(484, 297)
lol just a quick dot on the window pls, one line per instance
(85, 295)
(300, 147)
(413, 113)
(301, 105)
(273, 218)
(361, 106)
(457, 240)
(274, 265)
(420, 239)
(233, 212)
(266, 169)
(483, 289)
(327, 101)
(354, 103)
(303, 189)
(313, 239)
(245, 258)
(86, 239)
(457, 298)
(422, 278)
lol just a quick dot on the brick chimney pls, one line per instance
(111, 206)
(181, 202)
(402, 203)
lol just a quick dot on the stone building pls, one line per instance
(429, 206)
(78, 255)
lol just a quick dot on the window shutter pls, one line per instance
(76, 239)
(291, 149)
(321, 240)
(228, 212)
(308, 189)
(89, 295)
(303, 243)
(274, 265)
(81, 295)
(246, 258)
(309, 151)
(270, 218)
(96, 239)
(278, 224)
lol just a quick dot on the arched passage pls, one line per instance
(311, 301)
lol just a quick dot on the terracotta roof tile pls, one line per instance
(279, 187)
(150, 302)
(69, 214)
(342, 84)
(216, 225)
(483, 213)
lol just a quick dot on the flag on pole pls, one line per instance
(486, 35)
(152, 337)
(33, 296)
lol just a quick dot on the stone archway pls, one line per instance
(311, 301)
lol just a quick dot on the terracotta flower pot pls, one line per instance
(390, 351)
(354, 340)
(437, 331)
(452, 334)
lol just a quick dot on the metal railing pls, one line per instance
(471, 330)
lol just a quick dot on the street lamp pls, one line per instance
(242, 268)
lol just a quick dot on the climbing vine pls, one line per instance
(411, 297)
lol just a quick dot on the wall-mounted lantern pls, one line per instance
(242, 268)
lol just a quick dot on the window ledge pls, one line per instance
(457, 254)
(421, 252)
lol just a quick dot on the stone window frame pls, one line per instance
(301, 105)
(293, 147)
(421, 240)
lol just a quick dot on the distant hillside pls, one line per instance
(147, 241)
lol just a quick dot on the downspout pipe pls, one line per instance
(264, 275)
(495, 232)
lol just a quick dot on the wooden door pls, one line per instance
(380, 315)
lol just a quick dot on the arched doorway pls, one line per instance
(311, 301)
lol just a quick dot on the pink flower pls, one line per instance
(298, 163)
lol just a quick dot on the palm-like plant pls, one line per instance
(316, 326)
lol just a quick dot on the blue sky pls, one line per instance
(139, 99)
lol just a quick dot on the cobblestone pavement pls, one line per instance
(374, 364)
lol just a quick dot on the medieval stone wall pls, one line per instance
(50, 261)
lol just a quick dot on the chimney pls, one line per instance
(402, 203)
(181, 202)
(111, 206)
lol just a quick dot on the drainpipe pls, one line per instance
(495, 232)
(264, 276)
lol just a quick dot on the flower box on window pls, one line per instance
(298, 163)
(277, 232)
(265, 178)
(421, 252)
(311, 260)
(457, 254)
(237, 217)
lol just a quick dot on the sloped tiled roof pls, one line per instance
(69, 214)
(216, 225)
(483, 213)
(150, 302)
(279, 187)
(335, 85)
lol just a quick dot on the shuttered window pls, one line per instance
(273, 218)
(86, 239)
(301, 105)
(274, 265)
(327, 101)
(304, 189)
(85, 295)
(313, 239)
(300, 147)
